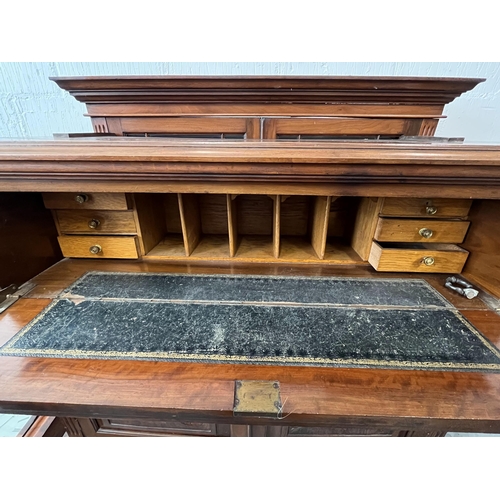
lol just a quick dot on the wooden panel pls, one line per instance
(28, 238)
(138, 427)
(253, 128)
(269, 128)
(483, 243)
(343, 212)
(255, 214)
(319, 229)
(184, 125)
(110, 221)
(408, 230)
(295, 215)
(323, 188)
(267, 109)
(276, 225)
(190, 221)
(424, 207)
(213, 213)
(445, 258)
(115, 125)
(337, 431)
(172, 213)
(96, 201)
(412, 127)
(365, 225)
(340, 126)
(232, 224)
(150, 220)
(112, 247)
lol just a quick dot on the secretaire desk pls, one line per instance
(290, 205)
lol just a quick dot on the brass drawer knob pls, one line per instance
(426, 233)
(431, 210)
(94, 223)
(428, 261)
(95, 249)
(81, 198)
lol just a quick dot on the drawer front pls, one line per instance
(85, 201)
(418, 258)
(425, 207)
(122, 427)
(421, 230)
(96, 221)
(105, 247)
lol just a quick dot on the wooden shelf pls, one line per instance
(255, 248)
(171, 247)
(252, 228)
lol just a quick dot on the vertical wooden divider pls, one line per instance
(232, 225)
(253, 128)
(365, 225)
(190, 221)
(321, 215)
(276, 225)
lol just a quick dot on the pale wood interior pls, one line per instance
(257, 228)
(269, 228)
(483, 243)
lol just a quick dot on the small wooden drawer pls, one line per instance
(99, 247)
(96, 221)
(129, 427)
(86, 201)
(421, 230)
(425, 207)
(419, 258)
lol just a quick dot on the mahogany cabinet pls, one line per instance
(298, 176)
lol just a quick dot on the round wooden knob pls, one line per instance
(431, 210)
(94, 223)
(95, 249)
(425, 233)
(428, 261)
(81, 198)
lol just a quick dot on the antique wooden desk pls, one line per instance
(294, 204)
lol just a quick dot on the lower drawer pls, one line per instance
(99, 247)
(418, 257)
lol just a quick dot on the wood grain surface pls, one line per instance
(112, 247)
(445, 258)
(408, 230)
(417, 207)
(418, 400)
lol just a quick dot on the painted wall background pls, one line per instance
(33, 106)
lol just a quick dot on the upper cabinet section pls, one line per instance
(240, 107)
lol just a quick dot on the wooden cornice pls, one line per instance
(266, 89)
(129, 165)
(120, 149)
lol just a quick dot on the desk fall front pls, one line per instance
(335, 177)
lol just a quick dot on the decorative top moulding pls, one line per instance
(267, 89)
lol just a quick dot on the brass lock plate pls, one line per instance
(257, 398)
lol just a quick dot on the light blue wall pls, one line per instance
(33, 106)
